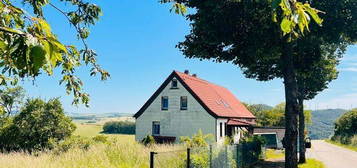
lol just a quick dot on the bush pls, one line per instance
(119, 127)
(100, 139)
(346, 125)
(148, 140)
(354, 141)
(39, 125)
(197, 140)
(252, 147)
(73, 142)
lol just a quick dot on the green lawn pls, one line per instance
(312, 163)
(87, 130)
(274, 154)
(342, 145)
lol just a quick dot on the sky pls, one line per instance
(135, 42)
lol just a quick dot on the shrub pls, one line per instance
(252, 147)
(38, 126)
(119, 127)
(100, 139)
(73, 142)
(354, 141)
(148, 140)
(345, 127)
(228, 140)
(197, 140)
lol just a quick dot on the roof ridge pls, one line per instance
(199, 79)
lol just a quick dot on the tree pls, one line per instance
(37, 126)
(244, 33)
(11, 99)
(28, 47)
(274, 117)
(345, 126)
(313, 75)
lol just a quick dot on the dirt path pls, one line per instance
(331, 155)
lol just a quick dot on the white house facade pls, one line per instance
(185, 104)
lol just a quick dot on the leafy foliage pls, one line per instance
(148, 140)
(72, 142)
(28, 47)
(345, 127)
(11, 99)
(39, 125)
(274, 116)
(119, 127)
(197, 140)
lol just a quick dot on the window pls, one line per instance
(220, 130)
(174, 84)
(164, 103)
(225, 129)
(156, 128)
(183, 102)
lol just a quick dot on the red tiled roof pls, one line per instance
(219, 100)
(239, 122)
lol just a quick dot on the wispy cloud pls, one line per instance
(346, 101)
(349, 69)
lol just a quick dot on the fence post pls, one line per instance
(210, 156)
(188, 158)
(152, 156)
(226, 159)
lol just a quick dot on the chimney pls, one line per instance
(187, 72)
(194, 75)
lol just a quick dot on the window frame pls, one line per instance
(220, 129)
(162, 102)
(155, 128)
(172, 84)
(181, 103)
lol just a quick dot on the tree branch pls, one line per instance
(69, 20)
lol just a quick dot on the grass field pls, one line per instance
(88, 130)
(353, 148)
(122, 151)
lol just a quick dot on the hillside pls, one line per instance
(323, 122)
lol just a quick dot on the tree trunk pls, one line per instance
(302, 149)
(291, 108)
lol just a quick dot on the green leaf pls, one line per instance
(285, 25)
(3, 45)
(45, 26)
(38, 57)
(313, 13)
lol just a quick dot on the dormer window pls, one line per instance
(174, 84)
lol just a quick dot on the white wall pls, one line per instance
(175, 122)
(220, 139)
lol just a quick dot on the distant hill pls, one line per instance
(94, 116)
(323, 123)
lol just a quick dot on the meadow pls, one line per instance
(121, 151)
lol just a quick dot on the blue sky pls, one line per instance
(136, 42)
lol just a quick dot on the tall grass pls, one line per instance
(121, 152)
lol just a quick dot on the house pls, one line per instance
(185, 104)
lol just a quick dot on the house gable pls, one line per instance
(162, 87)
(174, 121)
